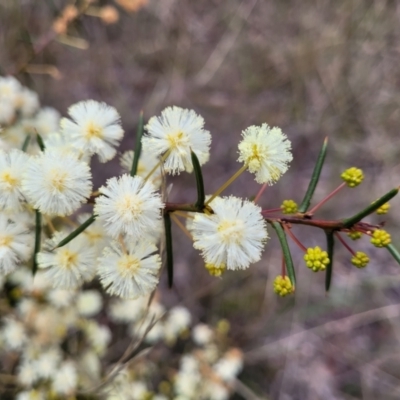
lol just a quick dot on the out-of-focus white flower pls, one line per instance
(233, 236)
(138, 390)
(47, 363)
(129, 205)
(89, 303)
(216, 391)
(28, 102)
(67, 266)
(27, 373)
(187, 384)
(46, 121)
(10, 90)
(266, 152)
(99, 336)
(147, 162)
(129, 271)
(94, 234)
(61, 143)
(178, 320)
(229, 366)
(178, 131)
(123, 310)
(65, 379)
(33, 394)
(12, 166)
(57, 183)
(15, 245)
(90, 363)
(94, 129)
(13, 334)
(202, 334)
(60, 298)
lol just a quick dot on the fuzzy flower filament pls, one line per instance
(233, 236)
(94, 128)
(266, 152)
(129, 273)
(57, 183)
(129, 205)
(178, 131)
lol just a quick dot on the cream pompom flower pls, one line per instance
(129, 271)
(233, 236)
(15, 244)
(94, 128)
(175, 133)
(129, 205)
(69, 266)
(12, 166)
(266, 152)
(57, 183)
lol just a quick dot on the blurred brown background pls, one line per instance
(313, 68)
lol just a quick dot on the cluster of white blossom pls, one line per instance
(57, 341)
(50, 246)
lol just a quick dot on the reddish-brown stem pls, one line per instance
(345, 244)
(271, 210)
(294, 238)
(260, 192)
(323, 201)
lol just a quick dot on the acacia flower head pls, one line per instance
(130, 270)
(15, 244)
(94, 128)
(57, 183)
(289, 207)
(69, 266)
(129, 205)
(352, 176)
(12, 166)
(282, 285)
(360, 259)
(266, 152)
(380, 238)
(178, 131)
(233, 236)
(316, 259)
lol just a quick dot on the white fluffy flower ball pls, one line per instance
(233, 236)
(57, 183)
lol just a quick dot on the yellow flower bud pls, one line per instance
(380, 238)
(354, 235)
(289, 207)
(316, 259)
(383, 209)
(352, 176)
(282, 285)
(360, 260)
(215, 270)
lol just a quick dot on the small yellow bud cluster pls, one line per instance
(289, 207)
(380, 238)
(354, 235)
(282, 285)
(352, 176)
(316, 259)
(215, 270)
(383, 209)
(360, 260)
(223, 326)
